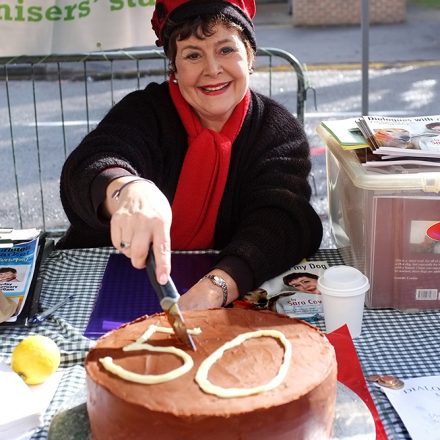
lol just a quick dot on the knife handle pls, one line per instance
(166, 293)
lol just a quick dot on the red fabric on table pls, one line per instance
(351, 375)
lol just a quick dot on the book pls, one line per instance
(346, 133)
(20, 255)
(418, 406)
(293, 293)
(404, 236)
(403, 137)
(407, 162)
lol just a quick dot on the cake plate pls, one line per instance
(353, 419)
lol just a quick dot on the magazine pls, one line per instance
(293, 293)
(18, 256)
(346, 132)
(416, 137)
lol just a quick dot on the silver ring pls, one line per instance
(124, 244)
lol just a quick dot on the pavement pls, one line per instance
(416, 39)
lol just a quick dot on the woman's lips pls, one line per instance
(214, 89)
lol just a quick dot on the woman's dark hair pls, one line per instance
(295, 275)
(201, 27)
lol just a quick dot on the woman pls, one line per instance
(302, 281)
(226, 167)
(8, 274)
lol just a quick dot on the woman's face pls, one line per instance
(305, 284)
(213, 74)
(7, 276)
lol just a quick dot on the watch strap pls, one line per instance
(220, 282)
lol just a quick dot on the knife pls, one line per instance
(168, 297)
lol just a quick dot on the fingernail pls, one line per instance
(163, 279)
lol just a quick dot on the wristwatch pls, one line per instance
(220, 282)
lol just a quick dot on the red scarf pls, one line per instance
(203, 176)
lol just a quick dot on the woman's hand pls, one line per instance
(206, 295)
(139, 216)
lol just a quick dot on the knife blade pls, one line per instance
(168, 297)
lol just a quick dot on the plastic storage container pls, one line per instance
(387, 226)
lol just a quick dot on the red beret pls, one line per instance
(240, 12)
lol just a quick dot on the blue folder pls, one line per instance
(126, 293)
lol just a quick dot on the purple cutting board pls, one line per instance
(126, 293)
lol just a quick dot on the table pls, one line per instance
(392, 342)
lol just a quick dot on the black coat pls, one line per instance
(265, 222)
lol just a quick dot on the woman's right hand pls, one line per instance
(139, 216)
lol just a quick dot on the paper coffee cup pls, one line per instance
(343, 290)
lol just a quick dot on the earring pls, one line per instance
(174, 81)
(251, 70)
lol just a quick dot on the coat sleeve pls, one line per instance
(268, 223)
(128, 138)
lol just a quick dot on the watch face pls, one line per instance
(217, 280)
(220, 282)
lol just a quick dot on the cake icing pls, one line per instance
(300, 407)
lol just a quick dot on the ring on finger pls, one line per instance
(124, 244)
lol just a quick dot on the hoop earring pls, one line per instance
(251, 70)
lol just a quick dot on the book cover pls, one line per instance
(346, 132)
(293, 293)
(20, 256)
(405, 253)
(415, 137)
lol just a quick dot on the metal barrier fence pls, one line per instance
(52, 102)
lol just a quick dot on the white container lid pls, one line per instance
(343, 281)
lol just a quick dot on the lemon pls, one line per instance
(35, 358)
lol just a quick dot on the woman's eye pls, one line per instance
(227, 50)
(192, 56)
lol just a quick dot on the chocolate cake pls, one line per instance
(301, 406)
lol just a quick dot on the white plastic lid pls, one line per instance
(343, 281)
